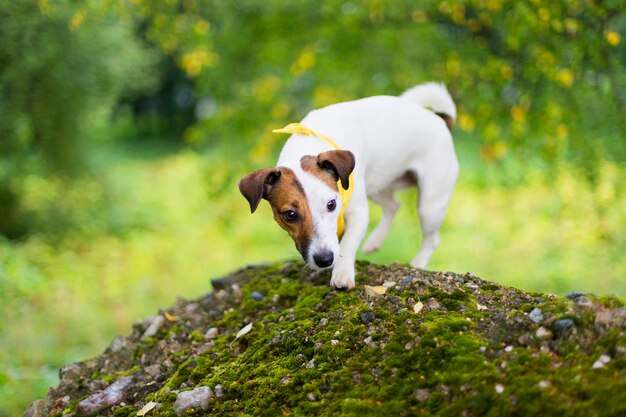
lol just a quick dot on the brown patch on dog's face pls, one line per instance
(310, 164)
(291, 209)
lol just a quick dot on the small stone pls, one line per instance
(408, 346)
(544, 384)
(536, 315)
(311, 364)
(483, 349)
(155, 324)
(237, 294)
(543, 333)
(602, 360)
(112, 395)
(508, 348)
(369, 342)
(212, 333)
(198, 399)
(317, 346)
(583, 301)
(257, 296)
(481, 307)
(323, 321)
(367, 317)
(540, 299)
(377, 291)
(311, 397)
(499, 388)
(389, 284)
(422, 395)
(118, 344)
(275, 298)
(334, 342)
(407, 279)
(286, 380)
(563, 326)
(418, 307)
(574, 294)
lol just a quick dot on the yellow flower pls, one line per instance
(613, 38)
(77, 20)
(466, 122)
(306, 60)
(518, 113)
(565, 77)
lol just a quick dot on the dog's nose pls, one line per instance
(323, 259)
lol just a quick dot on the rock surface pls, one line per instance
(471, 348)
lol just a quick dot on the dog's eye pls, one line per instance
(290, 216)
(331, 205)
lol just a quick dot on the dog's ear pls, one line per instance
(257, 185)
(340, 163)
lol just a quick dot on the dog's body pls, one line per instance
(387, 143)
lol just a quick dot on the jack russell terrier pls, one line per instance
(340, 155)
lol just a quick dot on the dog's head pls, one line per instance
(305, 201)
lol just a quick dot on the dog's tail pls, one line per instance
(434, 96)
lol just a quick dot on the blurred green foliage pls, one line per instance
(125, 125)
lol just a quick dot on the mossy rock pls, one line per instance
(435, 343)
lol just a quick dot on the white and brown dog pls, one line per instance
(340, 155)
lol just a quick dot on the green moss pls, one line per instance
(126, 411)
(196, 336)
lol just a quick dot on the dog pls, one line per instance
(339, 156)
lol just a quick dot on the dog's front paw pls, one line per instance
(343, 277)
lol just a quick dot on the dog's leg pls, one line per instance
(357, 218)
(390, 206)
(434, 196)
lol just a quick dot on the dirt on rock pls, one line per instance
(275, 340)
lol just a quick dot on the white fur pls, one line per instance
(389, 136)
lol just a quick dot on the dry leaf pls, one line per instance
(169, 317)
(146, 408)
(418, 306)
(244, 331)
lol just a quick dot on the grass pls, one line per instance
(63, 300)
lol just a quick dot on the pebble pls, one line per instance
(113, 394)
(389, 284)
(602, 360)
(422, 394)
(318, 346)
(323, 321)
(237, 294)
(544, 384)
(536, 315)
(367, 317)
(540, 299)
(375, 291)
(334, 342)
(543, 333)
(574, 294)
(257, 296)
(212, 333)
(583, 301)
(408, 279)
(311, 397)
(563, 326)
(508, 348)
(198, 399)
(153, 328)
(499, 388)
(118, 344)
(311, 364)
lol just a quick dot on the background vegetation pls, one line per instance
(124, 126)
